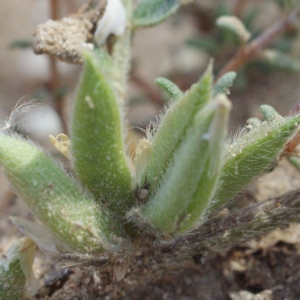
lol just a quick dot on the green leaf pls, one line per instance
(209, 44)
(224, 83)
(16, 268)
(207, 185)
(269, 113)
(172, 129)
(20, 44)
(253, 153)
(151, 12)
(56, 199)
(181, 200)
(170, 87)
(234, 25)
(253, 122)
(295, 161)
(104, 60)
(12, 282)
(97, 140)
(281, 61)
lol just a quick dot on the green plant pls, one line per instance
(185, 169)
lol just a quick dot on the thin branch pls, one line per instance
(249, 51)
(152, 93)
(55, 81)
(54, 9)
(239, 7)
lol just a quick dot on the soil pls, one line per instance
(220, 278)
(266, 268)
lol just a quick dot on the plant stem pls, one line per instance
(239, 7)
(247, 52)
(54, 75)
(55, 80)
(152, 92)
(121, 56)
(54, 9)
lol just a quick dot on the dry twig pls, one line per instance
(251, 50)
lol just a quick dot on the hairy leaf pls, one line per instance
(179, 202)
(253, 153)
(170, 87)
(172, 129)
(281, 61)
(97, 140)
(234, 25)
(56, 199)
(224, 83)
(12, 282)
(151, 12)
(207, 185)
(16, 268)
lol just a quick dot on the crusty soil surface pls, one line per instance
(275, 269)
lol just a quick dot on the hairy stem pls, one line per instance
(121, 56)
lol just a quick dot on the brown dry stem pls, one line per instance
(248, 51)
(55, 80)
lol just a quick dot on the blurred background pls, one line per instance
(178, 49)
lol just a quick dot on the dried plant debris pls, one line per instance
(65, 39)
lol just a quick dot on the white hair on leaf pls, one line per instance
(20, 116)
(34, 119)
